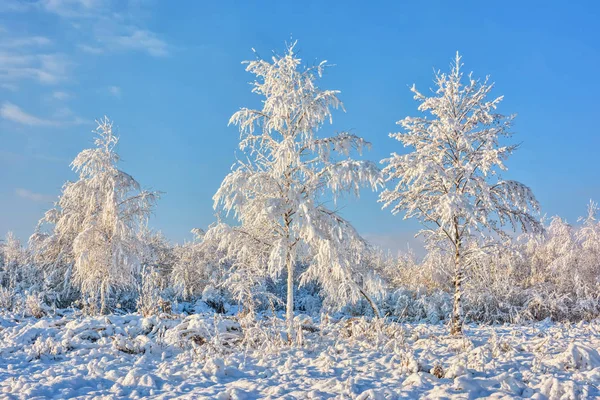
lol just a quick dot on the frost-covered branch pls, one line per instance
(449, 180)
(275, 196)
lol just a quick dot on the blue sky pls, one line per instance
(170, 77)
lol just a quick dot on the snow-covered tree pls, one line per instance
(589, 234)
(197, 266)
(449, 180)
(278, 194)
(159, 254)
(96, 224)
(53, 256)
(246, 253)
(13, 262)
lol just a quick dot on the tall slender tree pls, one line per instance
(449, 179)
(96, 224)
(278, 194)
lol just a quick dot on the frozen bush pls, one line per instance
(150, 300)
(48, 347)
(35, 305)
(6, 299)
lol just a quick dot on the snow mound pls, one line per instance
(579, 357)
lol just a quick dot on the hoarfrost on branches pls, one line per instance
(449, 180)
(95, 241)
(278, 193)
(197, 266)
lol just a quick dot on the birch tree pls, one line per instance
(96, 223)
(278, 193)
(449, 179)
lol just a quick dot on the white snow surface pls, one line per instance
(215, 357)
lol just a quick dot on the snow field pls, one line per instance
(214, 357)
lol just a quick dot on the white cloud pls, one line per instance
(17, 64)
(109, 29)
(9, 86)
(141, 40)
(99, 26)
(72, 8)
(53, 68)
(102, 26)
(25, 41)
(14, 6)
(14, 113)
(37, 197)
(115, 91)
(27, 57)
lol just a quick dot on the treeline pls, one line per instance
(534, 277)
(288, 250)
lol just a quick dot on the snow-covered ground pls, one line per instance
(207, 356)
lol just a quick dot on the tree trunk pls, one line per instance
(103, 298)
(457, 311)
(290, 297)
(371, 303)
(289, 314)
